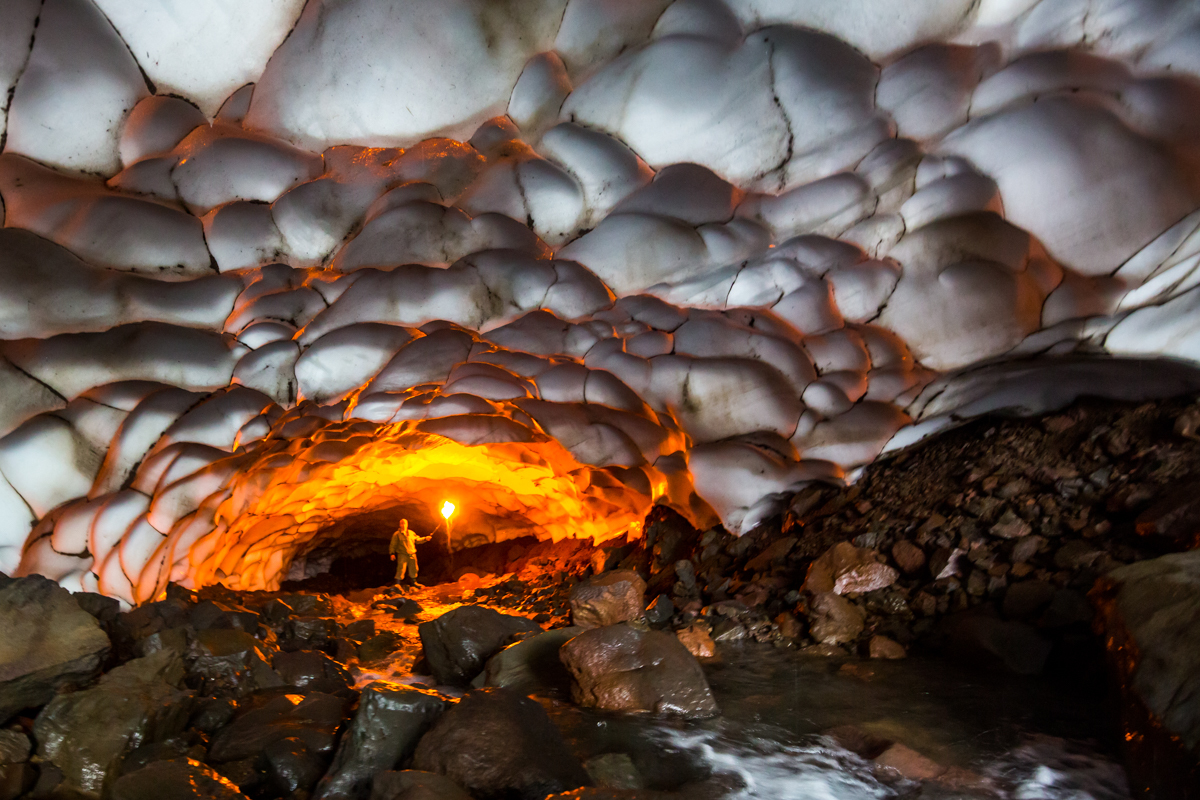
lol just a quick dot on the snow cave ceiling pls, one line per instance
(265, 266)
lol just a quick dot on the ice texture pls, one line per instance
(266, 268)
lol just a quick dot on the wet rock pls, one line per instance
(613, 771)
(308, 605)
(312, 670)
(16, 773)
(359, 631)
(87, 733)
(313, 718)
(908, 557)
(172, 780)
(412, 784)
(378, 646)
(835, 620)
(1149, 613)
(697, 641)
(622, 668)
(177, 748)
(132, 628)
(978, 635)
(845, 569)
(307, 633)
(607, 599)
(532, 665)
(660, 611)
(230, 661)
(789, 626)
(883, 647)
(211, 615)
(384, 733)
(909, 763)
(46, 642)
(858, 741)
(399, 607)
(459, 643)
(291, 766)
(497, 744)
(212, 714)
(1025, 599)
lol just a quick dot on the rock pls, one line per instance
(789, 626)
(622, 668)
(697, 641)
(412, 784)
(47, 642)
(313, 718)
(1067, 608)
(104, 609)
(211, 615)
(384, 733)
(308, 605)
(1026, 598)
(608, 598)
(212, 714)
(16, 773)
(312, 670)
(231, 661)
(291, 766)
(172, 780)
(979, 635)
(908, 556)
(400, 607)
(133, 627)
(1149, 613)
(845, 569)
(909, 763)
(883, 647)
(1176, 516)
(1010, 526)
(307, 633)
(177, 748)
(378, 646)
(835, 620)
(87, 733)
(359, 631)
(496, 743)
(459, 643)
(859, 741)
(613, 771)
(532, 665)
(660, 611)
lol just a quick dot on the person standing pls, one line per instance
(403, 549)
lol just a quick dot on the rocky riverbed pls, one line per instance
(1007, 548)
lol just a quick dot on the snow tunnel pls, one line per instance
(267, 269)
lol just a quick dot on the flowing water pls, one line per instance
(998, 735)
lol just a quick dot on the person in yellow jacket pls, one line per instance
(403, 549)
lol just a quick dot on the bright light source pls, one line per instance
(447, 509)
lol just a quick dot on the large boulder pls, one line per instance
(46, 642)
(231, 661)
(459, 643)
(387, 726)
(87, 734)
(532, 665)
(623, 668)
(496, 743)
(412, 784)
(312, 671)
(1149, 613)
(608, 598)
(175, 780)
(314, 719)
(834, 619)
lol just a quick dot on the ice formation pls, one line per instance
(267, 266)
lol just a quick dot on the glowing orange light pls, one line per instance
(447, 509)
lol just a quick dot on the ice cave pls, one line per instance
(568, 277)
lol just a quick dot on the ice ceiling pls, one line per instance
(267, 265)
